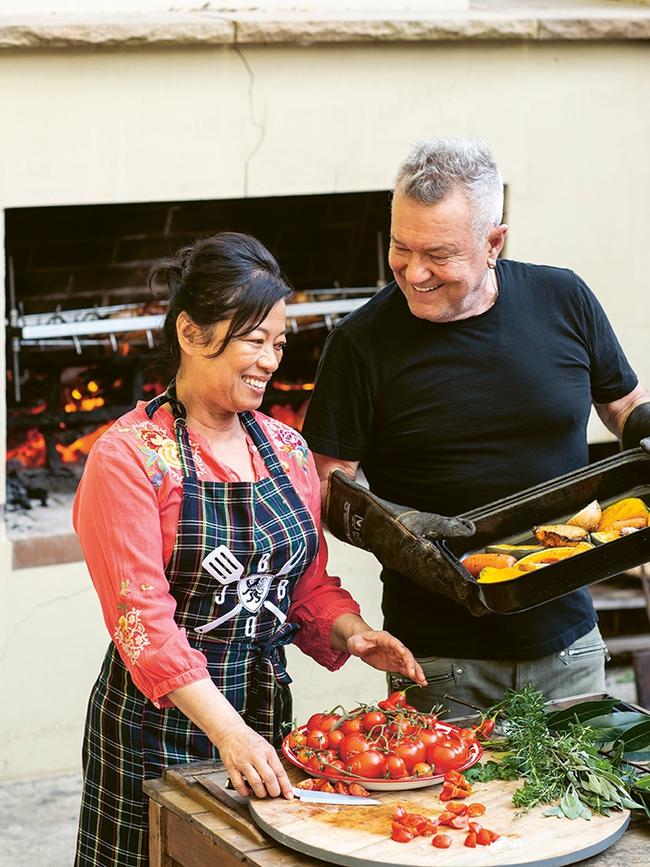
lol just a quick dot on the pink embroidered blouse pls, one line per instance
(126, 514)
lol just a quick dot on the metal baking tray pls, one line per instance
(510, 521)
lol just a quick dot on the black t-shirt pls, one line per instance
(445, 417)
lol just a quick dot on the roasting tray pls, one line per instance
(510, 521)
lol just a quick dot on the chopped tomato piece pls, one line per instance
(475, 826)
(470, 840)
(458, 809)
(358, 790)
(484, 837)
(340, 788)
(306, 784)
(475, 810)
(445, 818)
(494, 836)
(401, 835)
(459, 823)
(441, 841)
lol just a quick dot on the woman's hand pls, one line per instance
(250, 760)
(252, 763)
(376, 648)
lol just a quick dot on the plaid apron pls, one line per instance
(240, 548)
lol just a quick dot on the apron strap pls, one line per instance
(180, 427)
(269, 709)
(266, 450)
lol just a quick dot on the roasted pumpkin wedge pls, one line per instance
(490, 575)
(516, 551)
(629, 508)
(551, 555)
(587, 518)
(559, 535)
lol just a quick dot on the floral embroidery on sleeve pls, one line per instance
(130, 633)
(287, 441)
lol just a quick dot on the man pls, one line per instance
(466, 379)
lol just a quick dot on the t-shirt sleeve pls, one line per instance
(318, 599)
(612, 376)
(117, 518)
(340, 413)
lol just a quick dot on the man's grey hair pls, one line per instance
(434, 168)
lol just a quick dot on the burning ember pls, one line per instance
(32, 452)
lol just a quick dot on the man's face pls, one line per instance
(438, 261)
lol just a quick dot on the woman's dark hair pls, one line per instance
(228, 276)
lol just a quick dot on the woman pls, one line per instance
(199, 521)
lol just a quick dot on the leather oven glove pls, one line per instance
(400, 538)
(637, 428)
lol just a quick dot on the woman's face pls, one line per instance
(236, 379)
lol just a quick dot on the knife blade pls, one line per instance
(312, 797)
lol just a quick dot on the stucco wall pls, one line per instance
(568, 123)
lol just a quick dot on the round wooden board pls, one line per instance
(360, 836)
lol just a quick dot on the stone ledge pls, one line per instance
(582, 23)
(45, 551)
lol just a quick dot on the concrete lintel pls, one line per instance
(583, 23)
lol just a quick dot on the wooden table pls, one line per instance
(190, 828)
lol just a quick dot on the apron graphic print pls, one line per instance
(252, 590)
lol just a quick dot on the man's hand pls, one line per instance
(401, 539)
(252, 763)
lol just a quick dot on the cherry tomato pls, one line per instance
(370, 763)
(475, 809)
(328, 721)
(412, 750)
(304, 754)
(447, 755)
(430, 736)
(441, 841)
(352, 744)
(401, 725)
(314, 721)
(296, 739)
(372, 719)
(396, 767)
(317, 739)
(352, 725)
(428, 720)
(467, 736)
(334, 739)
(422, 769)
(335, 768)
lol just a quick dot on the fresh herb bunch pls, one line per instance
(564, 767)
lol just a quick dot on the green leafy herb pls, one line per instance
(561, 767)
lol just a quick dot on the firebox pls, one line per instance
(82, 324)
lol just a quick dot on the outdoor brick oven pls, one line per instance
(83, 325)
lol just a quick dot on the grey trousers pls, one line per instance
(577, 670)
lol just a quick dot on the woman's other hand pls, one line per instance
(377, 648)
(252, 763)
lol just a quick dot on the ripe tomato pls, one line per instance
(396, 767)
(304, 754)
(370, 763)
(401, 834)
(358, 790)
(353, 744)
(371, 719)
(401, 725)
(422, 769)
(317, 739)
(314, 721)
(430, 736)
(335, 768)
(412, 750)
(334, 739)
(352, 725)
(441, 841)
(447, 755)
(296, 739)
(328, 721)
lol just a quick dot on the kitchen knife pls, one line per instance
(312, 797)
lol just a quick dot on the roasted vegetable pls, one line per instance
(490, 575)
(475, 562)
(556, 535)
(623, 510)
(548, 556)
(587, 518)
(516, 551)
(604, 538)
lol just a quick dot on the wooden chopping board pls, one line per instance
(360, 836)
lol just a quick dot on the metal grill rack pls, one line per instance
(102, 326)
